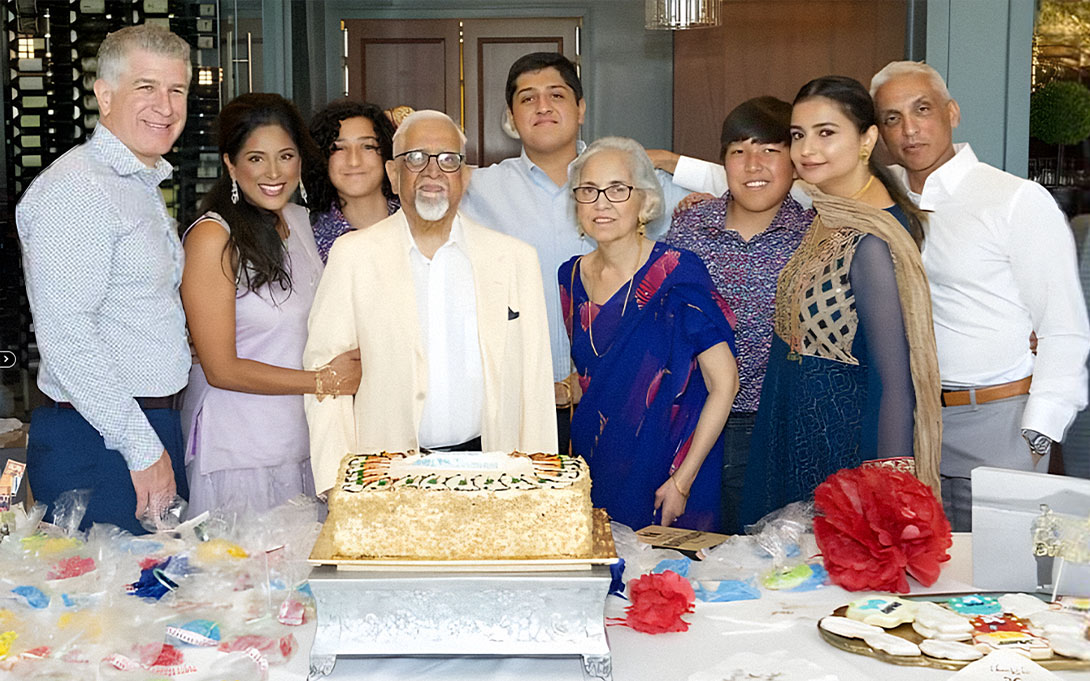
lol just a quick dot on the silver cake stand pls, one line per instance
(532, 607)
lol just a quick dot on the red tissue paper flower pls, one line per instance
(658, 602)
(878, 523)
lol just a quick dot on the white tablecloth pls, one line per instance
(787, 621)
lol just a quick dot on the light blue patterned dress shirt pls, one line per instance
(518, 198)
(103, 264)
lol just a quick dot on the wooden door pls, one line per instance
(490, 47)
(455, 66)
(412, 62)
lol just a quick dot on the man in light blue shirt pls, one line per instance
(529, 198)
(103, 264)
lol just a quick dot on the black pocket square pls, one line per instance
(512, 314)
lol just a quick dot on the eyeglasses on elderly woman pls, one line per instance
(615, 193)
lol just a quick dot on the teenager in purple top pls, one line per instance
(351, 191)
(745, 238)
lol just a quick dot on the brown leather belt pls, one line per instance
(960, 398)
(168, 402)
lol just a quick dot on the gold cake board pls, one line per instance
(603, 552)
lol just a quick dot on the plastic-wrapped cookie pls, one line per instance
(842, 626)
(1071, 646)
(950, 650)
(892, 645)
(881, 611)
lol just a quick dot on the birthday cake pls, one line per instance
(461, 506)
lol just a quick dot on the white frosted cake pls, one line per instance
(461, 505)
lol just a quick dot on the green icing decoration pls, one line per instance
(433, 481)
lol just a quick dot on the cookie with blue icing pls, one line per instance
(974, 605)
(882, 611)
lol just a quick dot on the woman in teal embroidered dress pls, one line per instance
(653, 348)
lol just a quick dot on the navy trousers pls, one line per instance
(64, 452)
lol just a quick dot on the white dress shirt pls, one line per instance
(446, 304)
(1000, 259)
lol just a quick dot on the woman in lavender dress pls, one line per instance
(250, 275)
(356, 140)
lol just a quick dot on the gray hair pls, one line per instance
(116, 47)
(895, 69)
(424, 115)
(643, 172)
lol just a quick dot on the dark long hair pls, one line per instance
(856, 103)
(325, 128)
(254, 237)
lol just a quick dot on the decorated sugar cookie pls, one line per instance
(1071, 646)
(934, 616)
(939, 635)
(842, 626)
(989, 623)
(1022, 605)
(882, 611)
(970, 606)
(1019, 641)
(950, 650)
(1057, 623)
(1079, 606)
(892, 645)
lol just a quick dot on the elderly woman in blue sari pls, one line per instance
(653, 348)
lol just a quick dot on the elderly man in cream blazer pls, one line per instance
(449, 318)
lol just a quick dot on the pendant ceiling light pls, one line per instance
(673, 15)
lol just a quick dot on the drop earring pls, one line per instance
(234, 191)
(302, 191)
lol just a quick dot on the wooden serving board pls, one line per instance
(603, 552)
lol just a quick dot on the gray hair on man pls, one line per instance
(116, 47)
(424, 115)
(895, 69)
(643, 172)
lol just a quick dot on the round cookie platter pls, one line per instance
(951, 633)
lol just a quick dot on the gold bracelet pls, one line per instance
(321, 388)
(678, 488)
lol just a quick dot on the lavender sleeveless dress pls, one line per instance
(248, 452)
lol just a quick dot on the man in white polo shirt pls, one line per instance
(1001, 263)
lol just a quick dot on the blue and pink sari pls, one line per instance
(642, 386)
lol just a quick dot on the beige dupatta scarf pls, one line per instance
(835, 217)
